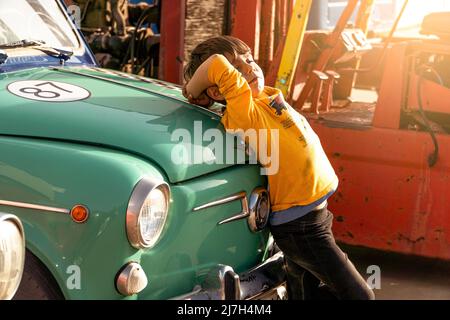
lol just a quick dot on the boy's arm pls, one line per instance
(199, 81)
(218, 71)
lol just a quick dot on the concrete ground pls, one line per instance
(402, 277)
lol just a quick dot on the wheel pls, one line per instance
(37, 282)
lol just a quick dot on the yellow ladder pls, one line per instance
(293, 45)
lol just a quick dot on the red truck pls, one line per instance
(392, 154)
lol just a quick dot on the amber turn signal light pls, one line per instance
(79, 213)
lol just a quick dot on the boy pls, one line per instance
(222, 69)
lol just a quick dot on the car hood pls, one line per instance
(139, 115)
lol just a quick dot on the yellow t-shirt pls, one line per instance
(304, 172)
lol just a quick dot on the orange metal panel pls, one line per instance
(271, 74)
(281, 21)
(281, 26)
(266, 39)
(172, 41)
(245, 22)
(387, 113)
(388, 197)
(435, 98)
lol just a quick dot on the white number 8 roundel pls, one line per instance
(53, 91)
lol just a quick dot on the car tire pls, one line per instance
(37, 282)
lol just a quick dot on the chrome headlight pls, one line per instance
(12, 255)
(147, 212)
(259, 209)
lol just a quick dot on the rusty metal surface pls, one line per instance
(266, 38)
(392, 84)
(354, 115)
(245, 22)
(282, 15)
(435, 98)
(172, 40)
(389, 198)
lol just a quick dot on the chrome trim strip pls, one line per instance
(231, 198)
(239, 216)
(238, 196)
(33, 206)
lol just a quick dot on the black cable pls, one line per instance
(144, 15)
(143, 64)
(86, 7)
(132, 45)
(433, 157)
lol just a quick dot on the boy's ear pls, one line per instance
(214, 93)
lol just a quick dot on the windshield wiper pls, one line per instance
(22, 44)
(62, 55)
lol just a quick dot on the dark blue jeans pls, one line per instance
(312, 255)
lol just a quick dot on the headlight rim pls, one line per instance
(18, 223)
(140, 193)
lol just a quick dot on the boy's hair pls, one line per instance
(216, 45)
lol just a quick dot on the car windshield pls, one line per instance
(40, 20)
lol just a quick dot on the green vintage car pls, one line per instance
(88, 162)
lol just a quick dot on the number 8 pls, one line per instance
(38, 93)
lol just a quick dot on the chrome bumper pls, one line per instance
(265, 281)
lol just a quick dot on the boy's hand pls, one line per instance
(202, 100)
